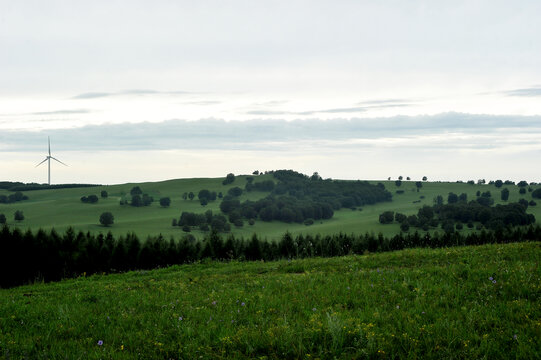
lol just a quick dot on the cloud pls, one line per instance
(453, 130)
(382, 104)
(62, 112)
(94, 95)
(525, 92)
(203, 102)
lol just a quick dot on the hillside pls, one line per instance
(62, 208)
(464, 302)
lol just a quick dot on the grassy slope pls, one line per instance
(418, 303)
(62, 208)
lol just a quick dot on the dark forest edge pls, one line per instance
(19, 186)
(28, 257)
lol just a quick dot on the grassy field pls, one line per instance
(62, 208)
(459, 303)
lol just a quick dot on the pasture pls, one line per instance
(62, 208)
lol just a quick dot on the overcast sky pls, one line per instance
(139, 90)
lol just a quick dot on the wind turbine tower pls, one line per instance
(48, 159)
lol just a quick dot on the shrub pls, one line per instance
(308, 222)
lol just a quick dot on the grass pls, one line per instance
(62, 208)
(465, 302)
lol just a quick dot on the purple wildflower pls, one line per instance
(494, 281)
(491, 278)
(243, 304)
(100, 342)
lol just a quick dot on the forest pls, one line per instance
(48, 256)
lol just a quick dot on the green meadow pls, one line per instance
(454, 303)
(62, 208)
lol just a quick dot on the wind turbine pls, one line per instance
(48, 159)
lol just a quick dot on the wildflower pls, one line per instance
(491, 278)
(398, 306)
(314, 309)
(494, 281)
(121, 347)
(515, 336)
(243, 304)
(180, 318)
(214, 302)
(100, 342)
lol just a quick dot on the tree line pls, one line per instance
(48, 256)
(19, 186)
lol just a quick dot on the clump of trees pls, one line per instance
(204, 222)
(536, 194)
(90, 199)
(453, 215)
(138, 198)
(11, 198)
(296, 197)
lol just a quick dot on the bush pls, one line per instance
(104, 194)
(536, 194)
(532, 203)
(308, 222)
(186, 228)
(2, 219)
(522, 191)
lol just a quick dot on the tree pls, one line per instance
(425, 178)
(235, 191)
(505, 194)
(165, 202)
(107, 218)
(386, 217)
(185, 196)
(408, 178)
(522, 183)
(229, 179)
(452, 198)
(522, 191)
(498, 183)
(418, 184)
(104, 194)
(2, 219)
(191, 195)
(398, 182)
(18, 215)
(536, 194)
(400, 177)
(136, 190)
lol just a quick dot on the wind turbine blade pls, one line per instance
(58, 161)
(49, 139)
(42, 162)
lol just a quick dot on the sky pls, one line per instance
(132, 91)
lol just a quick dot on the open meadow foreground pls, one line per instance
(454, 303)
